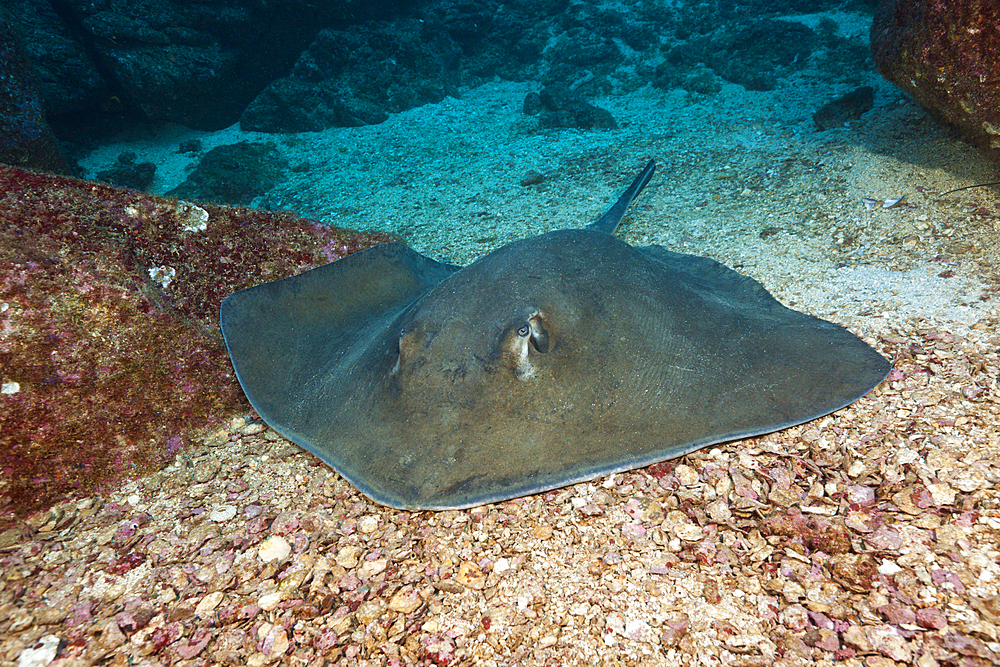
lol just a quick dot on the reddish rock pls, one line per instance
(110, 352)
(814, 532)
(946, 54)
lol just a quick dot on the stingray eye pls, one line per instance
(524, 331)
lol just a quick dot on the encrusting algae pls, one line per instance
(110, 353)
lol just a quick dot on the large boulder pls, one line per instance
(357, 77)
(110, 354)
(234, 174)
(947, 56)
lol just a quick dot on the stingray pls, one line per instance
(550, 361)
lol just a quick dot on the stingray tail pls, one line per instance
(609, 222)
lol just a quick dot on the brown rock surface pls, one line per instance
(110, 354)
(947, 56)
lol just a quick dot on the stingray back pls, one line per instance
(653, 354)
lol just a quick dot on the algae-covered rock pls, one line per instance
(110, 353)
(947, 56)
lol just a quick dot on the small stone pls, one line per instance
(862, 496)
(674, 628)
(969, 480)
(718, 511)
(109, 635)
(370, 568)
(189, 647)
(269, 601)
(931, 618)
(653, 513)
(217, 439)
(886, 538)
(889, 568)
(20, 620)
(206, 470)
(898, 614)
(347, 557)
(275, 642)
(222, 513)
(41, 653)
(274, 548)
(369, 611)
(679, 524)
(942, 494)
(201, 534)
(253, 429)
(285, 523)
(542, 532)
(51, 616)
(689, 532)
(405, 602)
(887, 641)
(290, 585)
(10, 537)
(686, 475)
(794, 617)
(471, 575)
(208, 603)
(855, 637)
(368, 524)
(633, 531)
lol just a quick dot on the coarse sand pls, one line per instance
(869, 536)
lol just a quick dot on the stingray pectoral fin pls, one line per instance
(282, 335)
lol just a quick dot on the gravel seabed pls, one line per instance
(867, 537)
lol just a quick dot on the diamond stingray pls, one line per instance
(550, 361)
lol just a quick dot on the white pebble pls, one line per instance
(269, 601)
(370, 568)
(686, 475)
(889, 568)
(274, 548)
(368, 524)
(208, 603)
(223, 513)
(48, 647)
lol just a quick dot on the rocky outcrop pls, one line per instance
(357, 77)
(198, 64)
(110, 357)
(947, 56)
